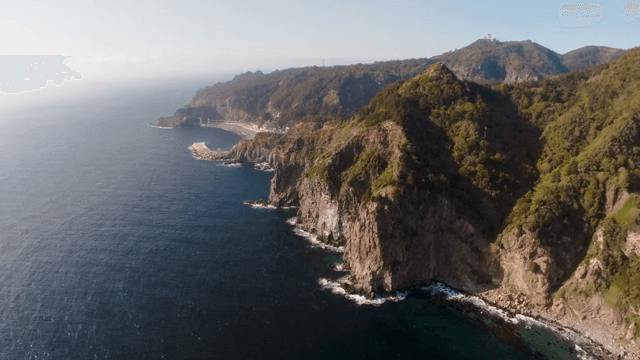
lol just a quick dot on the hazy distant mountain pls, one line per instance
(516, 61)
(510, 62)
(590, 56)
(281, 98)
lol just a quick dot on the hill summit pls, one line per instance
(510, 62)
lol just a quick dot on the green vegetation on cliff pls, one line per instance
(459, 139)
(463, 140)
(590, 153)
(532, 185)
(365, 162)
(550, 158)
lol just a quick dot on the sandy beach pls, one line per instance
(246, 131)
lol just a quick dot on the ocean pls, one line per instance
(115, 243)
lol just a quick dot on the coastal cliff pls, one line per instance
(525, 194)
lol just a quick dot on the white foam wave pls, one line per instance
(527, 322)
(443, 290)
(230, 164)
(161, 127)
(292, 221)
(337, 287)
(259, 205)
(263, 166)
(313, 239)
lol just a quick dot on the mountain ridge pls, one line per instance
(281, 98)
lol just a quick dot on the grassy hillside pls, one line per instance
(590, 56)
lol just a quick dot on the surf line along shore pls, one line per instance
(246, 131)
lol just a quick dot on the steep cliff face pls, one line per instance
(531, 189)
(393, 238)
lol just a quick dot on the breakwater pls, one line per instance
(202, 152)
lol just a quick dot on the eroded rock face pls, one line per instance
(284, 190)
(391, 246)
(415, 240)
(632, 245)
(493, 71)
(392, 243)
(527, 265)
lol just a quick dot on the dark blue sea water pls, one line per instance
(116, 243)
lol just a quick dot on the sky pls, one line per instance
(123, 40)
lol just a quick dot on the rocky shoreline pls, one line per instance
(286, 190)
(517, 303)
